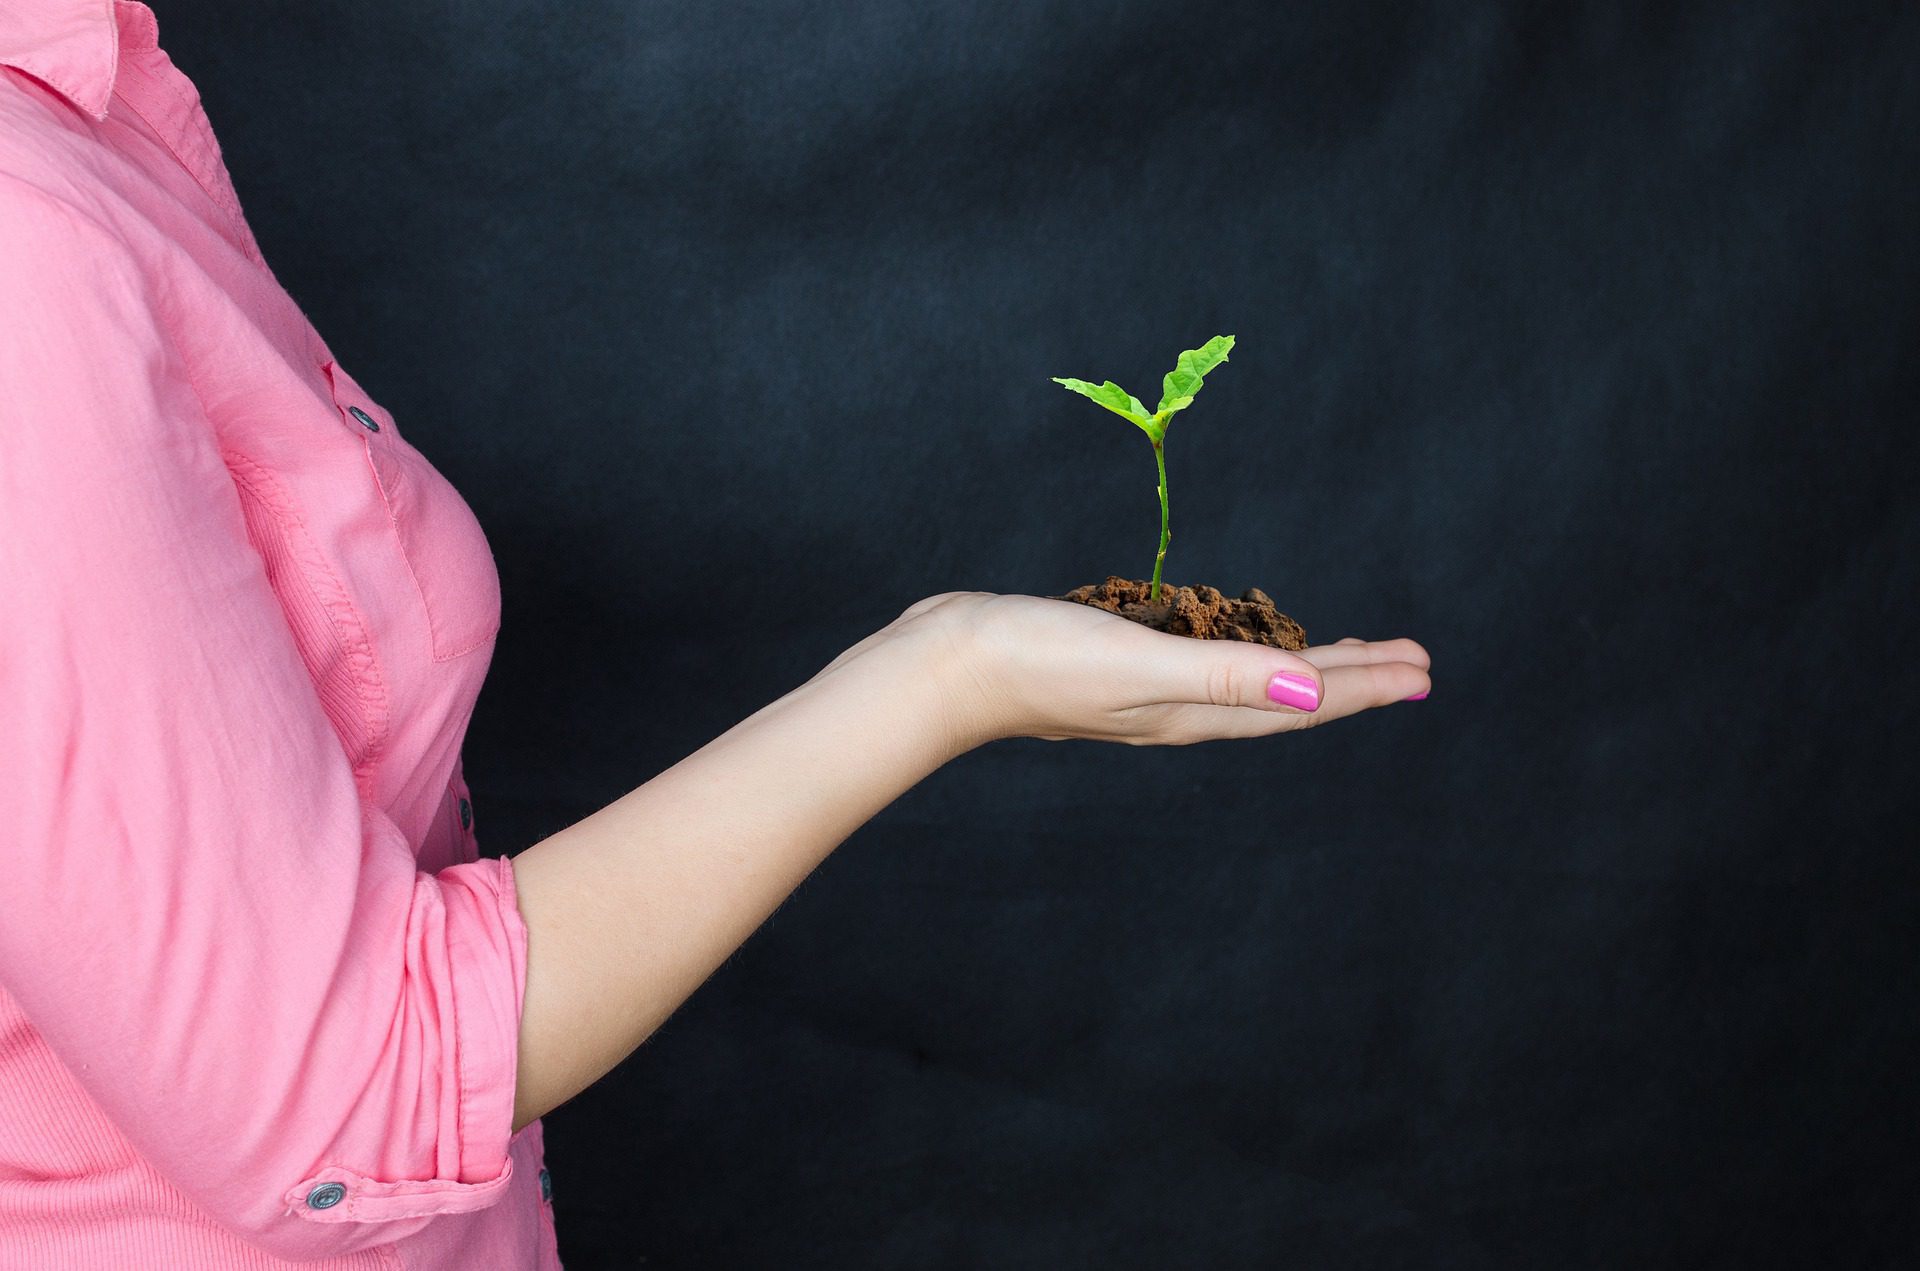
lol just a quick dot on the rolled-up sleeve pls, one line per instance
(231, 949)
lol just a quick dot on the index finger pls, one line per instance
(1352, 652)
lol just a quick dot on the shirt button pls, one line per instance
(364, 418)
(326, 1196)
(546, 1184)
(466, 814)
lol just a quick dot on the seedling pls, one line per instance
(1177, 391)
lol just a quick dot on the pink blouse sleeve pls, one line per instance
(234, 953)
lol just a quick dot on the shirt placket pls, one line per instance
(154, 88)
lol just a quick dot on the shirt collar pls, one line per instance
(74, 46)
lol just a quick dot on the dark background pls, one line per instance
(1573, 341)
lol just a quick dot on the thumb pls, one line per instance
(1232, 673)
(1295, 686)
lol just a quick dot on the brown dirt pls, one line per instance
(1201, 612)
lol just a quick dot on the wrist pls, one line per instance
(935, 654)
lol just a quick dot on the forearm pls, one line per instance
(630, 910)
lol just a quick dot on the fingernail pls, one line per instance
(1417, 696)
(1291, 689)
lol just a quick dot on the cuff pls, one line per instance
(489, 958)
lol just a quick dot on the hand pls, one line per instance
(1028, 666)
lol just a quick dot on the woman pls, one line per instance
(261, 999)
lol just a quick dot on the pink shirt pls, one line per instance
(259, 993)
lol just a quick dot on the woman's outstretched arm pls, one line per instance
(631, 909)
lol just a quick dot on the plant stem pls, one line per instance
(1160, 459)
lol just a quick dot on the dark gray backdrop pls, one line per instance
(1573, 342)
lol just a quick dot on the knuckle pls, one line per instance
(1224, 681)
(928, 602)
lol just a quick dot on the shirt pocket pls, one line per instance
(445, 550)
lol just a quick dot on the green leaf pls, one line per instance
(1183, 381)
(1114, 398)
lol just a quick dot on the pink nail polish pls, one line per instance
(1417, 696)
(1291, 689)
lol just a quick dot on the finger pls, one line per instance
(1226, 674)
(1356, 652)
(1349, 690)
(1352, 689)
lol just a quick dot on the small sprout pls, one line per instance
(1177, 391)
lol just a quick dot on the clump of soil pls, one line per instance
(1201, 612)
